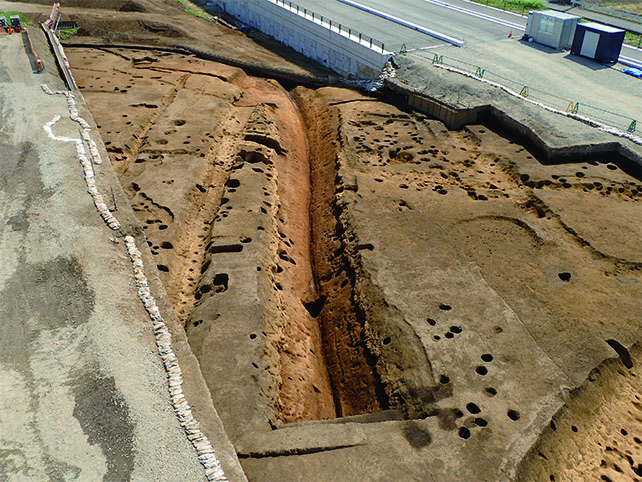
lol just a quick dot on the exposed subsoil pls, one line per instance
(312, 244)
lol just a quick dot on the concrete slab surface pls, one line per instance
(555, 78)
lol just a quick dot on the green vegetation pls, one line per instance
(65, 34)
(24, 19)
(634, 39)
(629, 6)
(517, 6)
(187, 6)
(197, 13)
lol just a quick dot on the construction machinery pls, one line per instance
(15, 23)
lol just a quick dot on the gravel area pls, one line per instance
(85, 394)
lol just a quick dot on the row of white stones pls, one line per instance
(206, 456)
(81, 153)
(204, 449)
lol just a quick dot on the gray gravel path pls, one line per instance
(83, 395)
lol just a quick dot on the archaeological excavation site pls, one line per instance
(376, 284)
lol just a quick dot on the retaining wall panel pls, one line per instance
(334, 50)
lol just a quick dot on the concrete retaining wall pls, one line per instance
(453, 117)
(622, 154)
(334, 46)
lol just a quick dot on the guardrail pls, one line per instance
(332, 25)
(549, 99)
(60, 57)
(405, 23)
(56, 46)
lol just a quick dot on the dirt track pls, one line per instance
(334, 257)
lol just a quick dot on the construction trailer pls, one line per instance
(552, 28)
(598, 42)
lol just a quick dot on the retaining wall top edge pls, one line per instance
(319, 22)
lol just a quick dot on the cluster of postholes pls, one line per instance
(204, 449)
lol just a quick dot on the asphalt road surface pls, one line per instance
(391, 34)
(460, 19)
(554, 78)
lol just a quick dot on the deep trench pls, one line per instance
(365, 374)
(356, 384)
(333, 372)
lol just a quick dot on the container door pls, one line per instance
(589, 46)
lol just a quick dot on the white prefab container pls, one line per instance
(552, 28)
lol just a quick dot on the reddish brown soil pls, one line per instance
(357, 388)
(185, 121)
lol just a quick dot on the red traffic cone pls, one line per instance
(510, 35)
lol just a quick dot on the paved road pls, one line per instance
(450, 21)
(554, 78)
(83, 394)
(392, 35)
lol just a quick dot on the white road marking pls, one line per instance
(405, 23)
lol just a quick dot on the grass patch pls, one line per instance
(188, 8)
(24, 19)
(633, 39)
(65, 34)
(517, 6)
(629, 6)
(197, 13)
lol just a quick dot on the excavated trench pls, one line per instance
(276, 219)
(243, 211)
(356, 384)
(242, 202)
(314, 323)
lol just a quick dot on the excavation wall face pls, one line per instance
(340, 52)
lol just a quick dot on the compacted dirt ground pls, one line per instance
(428, 301)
